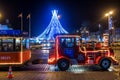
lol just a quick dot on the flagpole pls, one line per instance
(21, 23)
(29, 25)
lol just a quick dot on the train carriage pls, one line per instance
(14, 48)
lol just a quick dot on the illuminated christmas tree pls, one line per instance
(53, 28)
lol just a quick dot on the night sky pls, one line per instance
(74, 13)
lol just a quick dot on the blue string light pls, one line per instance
(53, 28)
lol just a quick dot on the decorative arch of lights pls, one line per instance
(53, 28)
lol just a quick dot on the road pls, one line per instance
(47, 72)
(42, 72)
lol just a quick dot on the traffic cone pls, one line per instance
(10, 75)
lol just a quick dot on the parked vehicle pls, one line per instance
(14, 48)
(68, 48)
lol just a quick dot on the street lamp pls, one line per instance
(111, 12)
(109, 15)
(110, 26)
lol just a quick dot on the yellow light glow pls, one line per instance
(21, 55)
(57, 47)
(0, 15)
(106, 14)
(9, 63)
(111, 12)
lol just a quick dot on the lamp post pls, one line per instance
(110, 26)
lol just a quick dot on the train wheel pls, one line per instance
(63, 64)
(105, 64)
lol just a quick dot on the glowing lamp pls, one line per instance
(106, 14)
(111, 12)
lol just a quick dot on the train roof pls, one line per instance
(12, 33)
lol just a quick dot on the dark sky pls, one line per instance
(73, 13)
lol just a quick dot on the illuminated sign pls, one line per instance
(5, 57)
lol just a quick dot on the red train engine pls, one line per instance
(69, 47)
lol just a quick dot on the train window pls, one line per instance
(67, 42)
(10, 47)
(62, 42)
(7, 44)
(70, 42)
(18, 44)
(10, 44)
